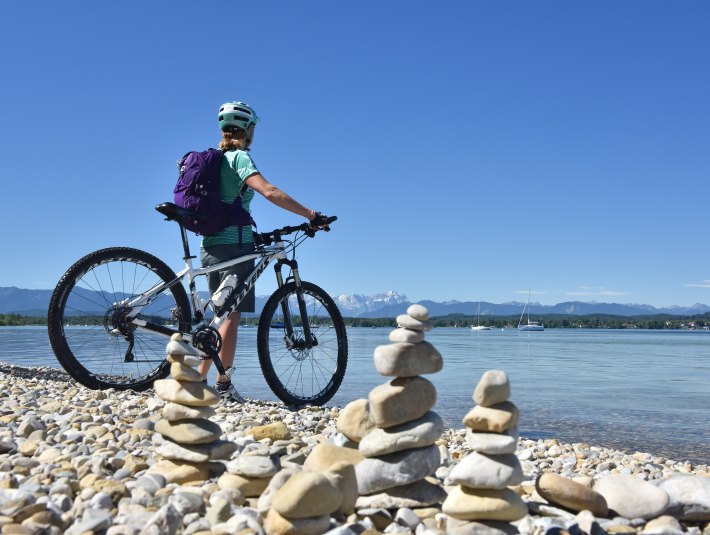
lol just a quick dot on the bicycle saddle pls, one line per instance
(173, 212)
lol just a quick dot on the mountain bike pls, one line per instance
(112, 312)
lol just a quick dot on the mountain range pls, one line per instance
(390, 304)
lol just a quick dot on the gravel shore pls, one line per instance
(74, 460)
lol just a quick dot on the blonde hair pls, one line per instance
(234, 139)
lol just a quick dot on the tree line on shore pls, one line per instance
(552, 321)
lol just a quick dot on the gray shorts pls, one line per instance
(221, 253)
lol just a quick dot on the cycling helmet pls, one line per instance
(236, 114)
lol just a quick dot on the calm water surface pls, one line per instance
(630, 389)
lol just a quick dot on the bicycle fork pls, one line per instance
(292, 342)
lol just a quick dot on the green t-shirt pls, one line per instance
(236, 167)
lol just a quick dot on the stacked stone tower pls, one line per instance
(482, 478)
(187, 441)
(400, 451)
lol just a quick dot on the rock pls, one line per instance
(174, 411)
(401, 400)
(275, 524)
(689, 497)
(324, 455)
(375, 474)
(663, 525)
(187, 360)
(421, 493)
(191, 394)
(182, 372)
(354, 420)
(278, 481)
(199, 453)
(249, 487)
(492, 389)
(561, 491)
(482, 504)
(254, 466)
(406, 335)
(407, 322)
(496, 418)
(166, 520)
(177, 348)
(306, 494)
(407, 360)
(481, 471)
(199, 431)
(181, 472)
(415, 434)
(463, 527)
(343, 476)
(418, 312)
(632, 497)
(493, 443)
(274, 431)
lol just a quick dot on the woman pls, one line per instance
(237, 121)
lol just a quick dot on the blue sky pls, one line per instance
(471, 150)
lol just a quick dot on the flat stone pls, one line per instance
(275, 524)
(481, 471)
(415, 434)
(564, 492)
(249, 487)
(493, 443)
(254, 466)
(632, 497)
(276, 482)
(343, 476)
(274, 431)
(306, 494)
(217, 450)
(199, 431)
(418, 312)
(175, 411)
(454, 526)
(497, 418)
(354, 420)
(421, 493)
(406, 335)
(689, 497)
(663, 525)
(376, 474)
(405, 321)
(182, 372)
(324, 455)
(178, 348)
(481, 504)
(187, 360)
(181, 472)
(407, 360)
(493, 388)
(191, 394)
(401, 400)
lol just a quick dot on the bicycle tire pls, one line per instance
(284, 367)
(98, 352)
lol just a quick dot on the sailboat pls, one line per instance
(530, 325)
(478, 326)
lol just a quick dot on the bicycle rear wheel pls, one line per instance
(296, 374)
(88, 326)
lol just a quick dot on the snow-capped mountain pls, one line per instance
(354, 305)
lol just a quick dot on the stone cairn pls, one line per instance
(479, 482)
(186, 441)
(395, 428)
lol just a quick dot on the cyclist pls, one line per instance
(236, 122)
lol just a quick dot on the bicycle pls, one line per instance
(126, 302)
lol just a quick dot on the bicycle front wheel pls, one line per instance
(301, 373)
(89, 326)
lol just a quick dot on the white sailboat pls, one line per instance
(530, 325)
(478, 326)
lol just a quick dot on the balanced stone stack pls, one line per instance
(480, 481)
(400, 450)
(188, 441)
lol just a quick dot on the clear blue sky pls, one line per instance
(471, 150)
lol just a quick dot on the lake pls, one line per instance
(636, 390)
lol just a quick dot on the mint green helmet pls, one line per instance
(236, 114)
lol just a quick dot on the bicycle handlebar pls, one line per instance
(266, 238)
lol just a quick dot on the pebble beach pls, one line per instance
(74, 460)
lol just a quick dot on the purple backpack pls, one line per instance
(197, 189)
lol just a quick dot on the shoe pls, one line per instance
(229, 393)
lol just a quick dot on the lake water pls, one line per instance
(636, 390)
